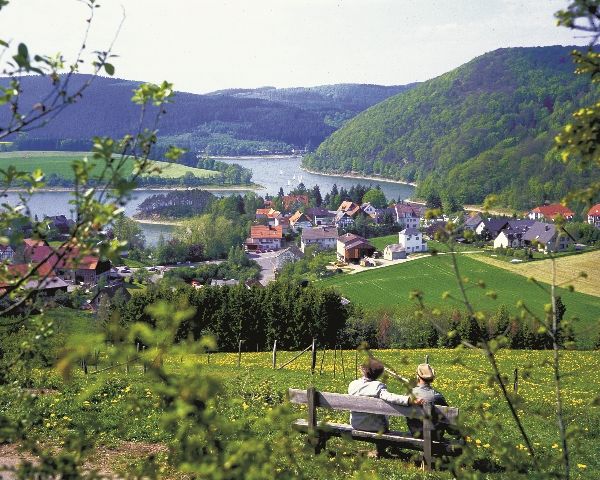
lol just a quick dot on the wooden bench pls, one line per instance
(319, 432)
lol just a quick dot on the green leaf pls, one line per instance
(23, 51)
(109, 68)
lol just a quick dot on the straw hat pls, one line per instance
(426, 372)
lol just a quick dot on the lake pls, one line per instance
(274, 172)
(270, 172)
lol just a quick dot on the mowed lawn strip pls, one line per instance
(59, 163)
(567, 270)
(391, 287)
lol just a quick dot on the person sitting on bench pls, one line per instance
(369, 386)
(426, 393)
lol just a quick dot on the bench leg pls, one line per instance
(317, 442)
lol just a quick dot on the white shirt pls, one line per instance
(370, 422)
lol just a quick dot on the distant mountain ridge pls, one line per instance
(485, 127)
(239, 121)
(351, 97)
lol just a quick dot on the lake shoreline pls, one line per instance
(210, 188)
(148, 221)
(357, 176)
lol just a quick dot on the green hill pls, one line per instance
(485, 127)
(390, 287)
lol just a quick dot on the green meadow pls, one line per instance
(390, 287)
(253, 392)
(59, 163)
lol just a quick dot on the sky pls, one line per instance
(206, 45)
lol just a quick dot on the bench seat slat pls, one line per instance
(400, 439)
(338, 401)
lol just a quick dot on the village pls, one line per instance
(537, 230)
(280, 237)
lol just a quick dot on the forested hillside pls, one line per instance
(225, 123)
(336, 103)
(485, 127)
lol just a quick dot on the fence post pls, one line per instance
(334, 358)
(84, 365)
(313, 363)
(516, 381)
(239, 359)
(342, 359)
(274, 354)
(143, 350)
(427, 359)
(322, 360)
(127, 365)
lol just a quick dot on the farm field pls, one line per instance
(567, 270)
(391, 287)
(59, 163)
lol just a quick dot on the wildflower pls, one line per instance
(581, 465)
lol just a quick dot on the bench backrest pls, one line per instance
(355, 403)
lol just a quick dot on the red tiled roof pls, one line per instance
(263, 231)
(18, 270)
(61, 259)
(595, 211)
(289, 200)
(553, 210)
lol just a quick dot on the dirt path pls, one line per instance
(103, 460)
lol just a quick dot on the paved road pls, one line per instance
(265, 260)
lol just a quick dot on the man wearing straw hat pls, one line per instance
(427, 394)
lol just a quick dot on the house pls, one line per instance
(283, 222)
(264, 237)
(293, 202)
(368, 209)
(224, 283)
(320, 216)
(594, 215)
(490, 228)
(550, 212)
(324, 238)
(412, 240)
(343, 220)
(287, 255)
(351, 208)
(69, 264)
(472, 222)
(512, 235)
(60, 223)
(407, 215)
(394, 252)
(547, 238)
(267, 215)
(299, 221)
(45, 281)
(351, 248)
(6, 253)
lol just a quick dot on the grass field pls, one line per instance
(567, 270)
(391, 287)
(254, 391)
(59, 163)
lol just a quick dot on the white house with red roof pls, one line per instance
(594, 215)
(264, 237)
(550, 212)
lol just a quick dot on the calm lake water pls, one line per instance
(275, 172)
(271, 172)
